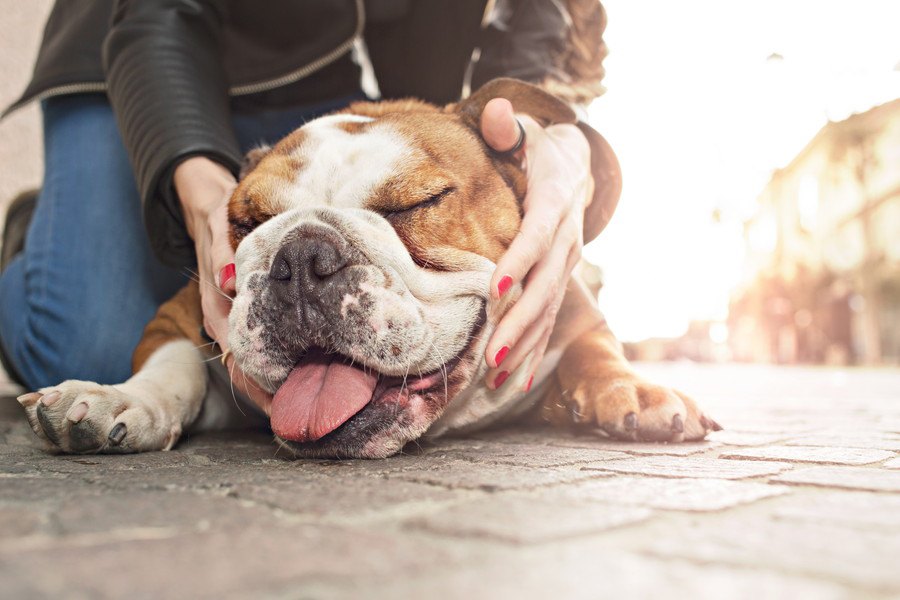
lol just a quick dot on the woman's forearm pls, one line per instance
(201, 185)
(167, 86)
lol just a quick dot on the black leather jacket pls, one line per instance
(174, 70)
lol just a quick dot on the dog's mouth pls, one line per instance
(325, 390)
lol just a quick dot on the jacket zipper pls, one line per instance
(237, 90)
(308, 69)
(70, 88)
(466, 89)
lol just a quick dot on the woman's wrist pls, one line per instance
(201, 184)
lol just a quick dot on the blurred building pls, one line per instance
(704, 341)
(822, 278)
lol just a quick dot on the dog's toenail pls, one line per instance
(51, 398)
(631, 421)
(574, 413)
(77, 412)
(28, 399)
(715, 426)
(677, 424)
(117, 434)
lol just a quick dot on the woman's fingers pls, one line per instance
(537, 356)
(221, 255)
(499, 127)
(531, 346)
(534, 240)
(216, 278)
(227, 276)
(496, 377)
(544, 286)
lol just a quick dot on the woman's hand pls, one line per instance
(549, 242)
(204, 188)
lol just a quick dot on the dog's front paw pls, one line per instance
(84, 417)
(628, 408)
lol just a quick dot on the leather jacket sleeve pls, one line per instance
(168, 88)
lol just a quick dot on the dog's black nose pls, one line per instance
(303, 267)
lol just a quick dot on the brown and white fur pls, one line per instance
(402, 212)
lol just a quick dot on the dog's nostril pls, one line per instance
(327, 261)
(281, 270)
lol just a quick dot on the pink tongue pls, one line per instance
(319, 395)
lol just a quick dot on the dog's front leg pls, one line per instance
(595, 387)
(147, 412)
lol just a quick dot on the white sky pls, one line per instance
(699, 118)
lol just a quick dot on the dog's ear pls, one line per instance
(252, 158)
(526, 98)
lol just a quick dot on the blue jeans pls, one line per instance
(74, 304)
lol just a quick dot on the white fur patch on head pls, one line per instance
(343, 169)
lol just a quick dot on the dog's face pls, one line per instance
(365, 242)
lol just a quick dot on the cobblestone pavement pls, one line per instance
(798, 498)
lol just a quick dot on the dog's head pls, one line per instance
(365, 242)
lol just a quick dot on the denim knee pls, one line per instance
(51, 352)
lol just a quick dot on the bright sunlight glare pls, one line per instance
(705, 98)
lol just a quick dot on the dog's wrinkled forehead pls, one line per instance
(342, 166)
(331, 161)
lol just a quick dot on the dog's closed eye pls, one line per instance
(432, 199)
(246, 215)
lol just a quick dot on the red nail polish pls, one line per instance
(226, 274)
(501, 354)
(528, 385)
(501, 377)
(504, 284)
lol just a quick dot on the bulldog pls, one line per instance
(365, 242)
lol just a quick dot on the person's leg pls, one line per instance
(74, 304)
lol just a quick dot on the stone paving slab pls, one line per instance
(685, 449)
(531, 455)
(525, 513)
(578, 572)
(492, 477)
(867, 440)
(694, 495)
(877, 480)
(740, 438)
(812, 454)
(860, 557)
(879, 512)
(528, 520)
(253, 553)
(888, 425)
(693, 467)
